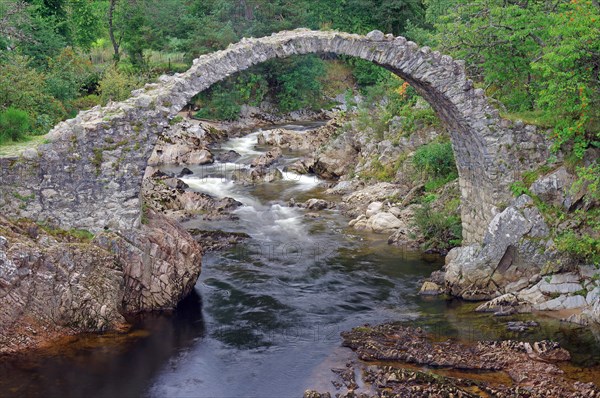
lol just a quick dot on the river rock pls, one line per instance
(336, 159)
(521, 326)
(267, 159)
(318, 204)
(359, 197)
(499, 304)
(302, 166)
(430, 289)
(182, 144)
(562, 302)
(373, 209)
(170, 197)
(593, 296)
(161, 263)
(257, 174)
(562, 288)
(286, 139)
(228, 157)
(185, 172)
(384, 223)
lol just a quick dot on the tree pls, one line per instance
(84, 16)
(13, 15)
(116, 42)
(67, 74)
(23, 87)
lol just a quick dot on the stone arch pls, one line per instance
(89, 174)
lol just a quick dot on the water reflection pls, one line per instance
(109, 365)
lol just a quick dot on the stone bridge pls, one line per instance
(88, 175)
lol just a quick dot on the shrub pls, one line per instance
(222, 105)
(435, 160)
(14, 125)
(583, 247)
(116, 85)
(86, 102)
(519, 188)
(67, 74)
(440, 230)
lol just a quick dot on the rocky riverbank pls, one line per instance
(55, 282)
(517, 266)
(396, 360)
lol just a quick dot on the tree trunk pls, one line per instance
(111, 31)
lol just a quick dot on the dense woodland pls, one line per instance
(539, 60)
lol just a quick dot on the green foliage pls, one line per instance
(539, 58)
(294, 83)
(22, 87)
(86, 18)
(435, 160)
(381, 172)
(388, 98)
(589, 178)
(222, 105)
(116, 85)
(434, 183)
(86, 102)
(175, 120)
(440, 230)
(67, 75)
(583, 246)
(362, 16)
(366, 73)
(298, 85)
(43, 41)
(71, 235)
(519, 188)
(14, 125)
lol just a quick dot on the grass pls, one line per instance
(538, 118)
(12, 149)
(80, 235)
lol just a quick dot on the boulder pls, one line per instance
(267, 159)
(184, 172)
(228, 157)
(384, 223)
(318, 204)
(257, 174)
(517, 245)
(554, 188)
(170, 197)
(184, 143)
(336, 160)
(430, 289)
(373, 209)
(562, 302)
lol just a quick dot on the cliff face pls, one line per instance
(55, 282)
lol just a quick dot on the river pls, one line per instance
(265, 317)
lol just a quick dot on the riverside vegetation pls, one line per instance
(387, 156)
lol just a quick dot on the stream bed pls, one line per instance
(265, 317)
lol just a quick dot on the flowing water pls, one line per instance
(265, 317)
